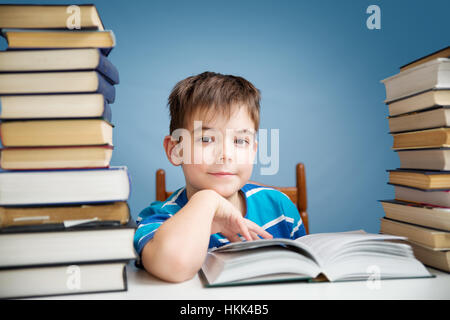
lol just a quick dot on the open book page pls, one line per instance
(295, 245)
(326, 246)
(340, 256)
(351, 256)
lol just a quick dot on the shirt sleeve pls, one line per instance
(150, 219)
(290, 210)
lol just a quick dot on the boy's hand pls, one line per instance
(229, 221)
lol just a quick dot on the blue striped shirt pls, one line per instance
(267, 207)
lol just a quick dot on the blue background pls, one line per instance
(317, 65)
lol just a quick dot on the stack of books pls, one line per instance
(418, 98)
(65, 224)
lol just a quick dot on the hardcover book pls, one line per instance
(429, 138)
(56, 82)
(55, 106)
(439, 259)
(421, 179)
(420, 214)
(58, 214)
(336, 256)
(440, 197)
(70, 242)
(434, 74)
(56, 280)
(430, 237)
(426, 119)
(51, 187)
(70, 132)
(29, 16)
(58, 60)
(427, 100)
(66, 157)
(442, 53)
(61, 39)
(426, 159)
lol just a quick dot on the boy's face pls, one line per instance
(218, 154)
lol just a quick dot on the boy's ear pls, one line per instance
(173, 150)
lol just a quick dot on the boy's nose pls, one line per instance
(226, 152)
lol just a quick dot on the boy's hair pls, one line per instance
(212, 93)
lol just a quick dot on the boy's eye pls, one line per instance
(207, 139)
(241, 141)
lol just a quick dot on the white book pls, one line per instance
(427, 159)
(64, 186)
(434, 74)
(62, 280)
(338, 256)
(434, 197)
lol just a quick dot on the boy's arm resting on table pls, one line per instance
(179, 246)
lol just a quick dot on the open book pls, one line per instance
(339, 256)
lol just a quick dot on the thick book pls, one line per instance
(419, 214)
(439, 259)
(58, 60)
(69, 157)
(27, 188)
(34, 215)
(434, 74)
(62, 280)
(435, 197)
(61, 39)
(421, 139)
(421, 179)
(337, 256)
(442, 53)
(66, 243)
(424, 101)
(427, 119)
(430, 237)
(426, 159)
(56, 83)
(75, 132)
(54, 106)
(29, 16)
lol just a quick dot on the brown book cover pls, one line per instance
(31, 16)
(36, 215)
(442, 53)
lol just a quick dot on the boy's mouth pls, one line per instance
(222, 174)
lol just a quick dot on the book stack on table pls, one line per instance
(418, 98)
(65, 224)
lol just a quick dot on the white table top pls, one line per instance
(142, 285)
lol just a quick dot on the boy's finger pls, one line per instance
(257, 229)
(232, 237)
(244, 231)
(254, 235)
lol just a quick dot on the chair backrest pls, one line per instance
(297, 194)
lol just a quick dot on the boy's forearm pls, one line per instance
(179, 246)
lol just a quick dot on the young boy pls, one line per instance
(214, 120)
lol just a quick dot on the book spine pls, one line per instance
(106, 68)
(105, 88)
(107, 113)
(1, 137)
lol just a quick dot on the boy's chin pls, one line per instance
(225, 191)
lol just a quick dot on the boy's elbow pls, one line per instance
(172, 266)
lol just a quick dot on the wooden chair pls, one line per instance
(297, 194)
